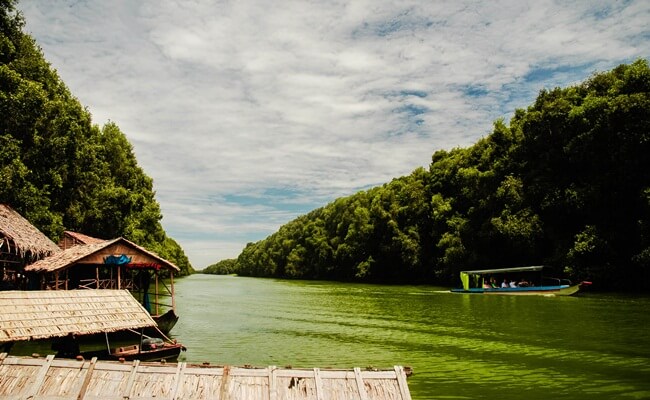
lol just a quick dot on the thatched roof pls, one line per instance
(79, 238)
(28, 315)
(52, 378)
(23, 237)
(94, 253)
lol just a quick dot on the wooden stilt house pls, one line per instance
(112, 264)
(21, 243)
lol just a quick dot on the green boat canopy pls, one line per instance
(504, 270)
(464, 275)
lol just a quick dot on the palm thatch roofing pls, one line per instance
(23, 237)
(51, 378)
(96, 252)
(77, 238)
(29, 315)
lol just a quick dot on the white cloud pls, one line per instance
(225, 101)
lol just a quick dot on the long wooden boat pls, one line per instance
(149, 351)
(530, 281)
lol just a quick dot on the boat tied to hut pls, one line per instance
(63, 317)
(31, 261)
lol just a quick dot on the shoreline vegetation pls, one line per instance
(58, 169)
(566, 183)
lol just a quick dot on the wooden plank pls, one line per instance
(223, 393)
(235, 381)
(89, 375)
(320, 394)
(401, 381)
(178, 379)
(40, 378)
(363, 395)
(273, 389)
(204, 371)
(129, 383)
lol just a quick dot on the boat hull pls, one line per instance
(167, 352)
(166, 321)
(560, 290)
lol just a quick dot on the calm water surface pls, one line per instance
(460, 346)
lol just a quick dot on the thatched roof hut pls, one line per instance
(24, 378)
(71, 239)
(97, 252)
(111, 264)
(21, 238)
(29, 315)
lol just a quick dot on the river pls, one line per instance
(591, 346)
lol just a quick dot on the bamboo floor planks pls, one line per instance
(61, 379)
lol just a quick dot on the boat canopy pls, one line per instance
(504, 270)
(464, 275)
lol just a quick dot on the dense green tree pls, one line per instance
(223, 267)
(58, 169)
(567, 183)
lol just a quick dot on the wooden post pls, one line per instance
(87, 378)
(119, 277)
(320, 394)
(171, 275)
(56, 280)
(97, 277)
(156, 275)
(40, 378)
(67, 279)
(363, 395)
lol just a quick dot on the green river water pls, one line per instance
(592, 346)
(460, 346)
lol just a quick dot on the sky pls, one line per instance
(249, 113)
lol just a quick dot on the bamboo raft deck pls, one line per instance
(61, 379)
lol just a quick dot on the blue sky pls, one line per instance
(249, 113)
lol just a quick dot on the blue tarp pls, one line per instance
(117, 260)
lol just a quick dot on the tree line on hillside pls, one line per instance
(59, 170)
(566, 183)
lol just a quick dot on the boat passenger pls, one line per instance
(493, 282)
(486, 285)
(504, 284)
(513, 284)
(523, 283)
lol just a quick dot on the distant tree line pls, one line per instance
(566, 183)
(59, 170)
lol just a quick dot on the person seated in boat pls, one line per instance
(513, 284)
(523, 283)
(504, 284)
(493, 282)
(486, 285)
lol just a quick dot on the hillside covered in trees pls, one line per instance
(566, 183)
(58, 169)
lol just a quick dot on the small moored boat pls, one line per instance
(151, 349)
(516, 281)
